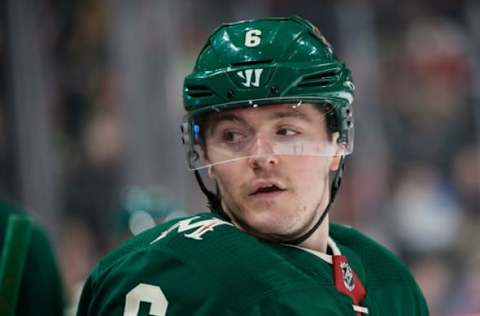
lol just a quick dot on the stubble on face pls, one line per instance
(281, 218)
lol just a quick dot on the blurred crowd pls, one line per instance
(413, 181)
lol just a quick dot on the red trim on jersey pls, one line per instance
(357, 291)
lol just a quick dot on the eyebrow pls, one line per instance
(294, 114)
(216, 119)
(276, 115)
(226, 117)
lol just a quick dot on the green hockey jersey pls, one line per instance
(41, 290)
(202, 265)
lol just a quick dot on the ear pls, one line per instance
(335, 162)
(211, 174)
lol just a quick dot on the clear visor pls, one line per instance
(256, 131)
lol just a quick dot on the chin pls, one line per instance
(270, 220)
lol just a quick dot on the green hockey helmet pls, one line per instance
(269, 61)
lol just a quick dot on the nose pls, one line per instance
(262, 154)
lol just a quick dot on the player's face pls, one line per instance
(275, 196)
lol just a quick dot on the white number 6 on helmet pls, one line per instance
(252, 38)
(149, 294)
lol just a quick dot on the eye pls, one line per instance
(231, 136)
(287, 132)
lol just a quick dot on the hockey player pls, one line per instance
(269, 121)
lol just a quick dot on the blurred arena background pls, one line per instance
(90, 107)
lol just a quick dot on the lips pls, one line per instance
(267, 187)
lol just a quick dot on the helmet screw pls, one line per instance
(230, 94)
(275, 89)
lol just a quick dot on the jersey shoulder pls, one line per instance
(159, 239)
(388, 280)
(374, 256)
(186, 259)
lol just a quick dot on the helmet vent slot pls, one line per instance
(252, 62)
(322, 79)
(198, 91)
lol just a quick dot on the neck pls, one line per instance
(318, 240)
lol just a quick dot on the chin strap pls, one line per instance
(214, 201)
(215, 204)
(337, 180)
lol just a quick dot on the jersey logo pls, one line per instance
(348, 283)
(347, 276)
(200, 228)
(247, 75)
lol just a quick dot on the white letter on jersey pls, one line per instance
(247, 76)
(149, 294)
(252, 38)
(200, 227)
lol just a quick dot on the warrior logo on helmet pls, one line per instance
(251, 77)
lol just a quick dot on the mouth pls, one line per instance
(267, 189)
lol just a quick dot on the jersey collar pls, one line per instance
(331, 244)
